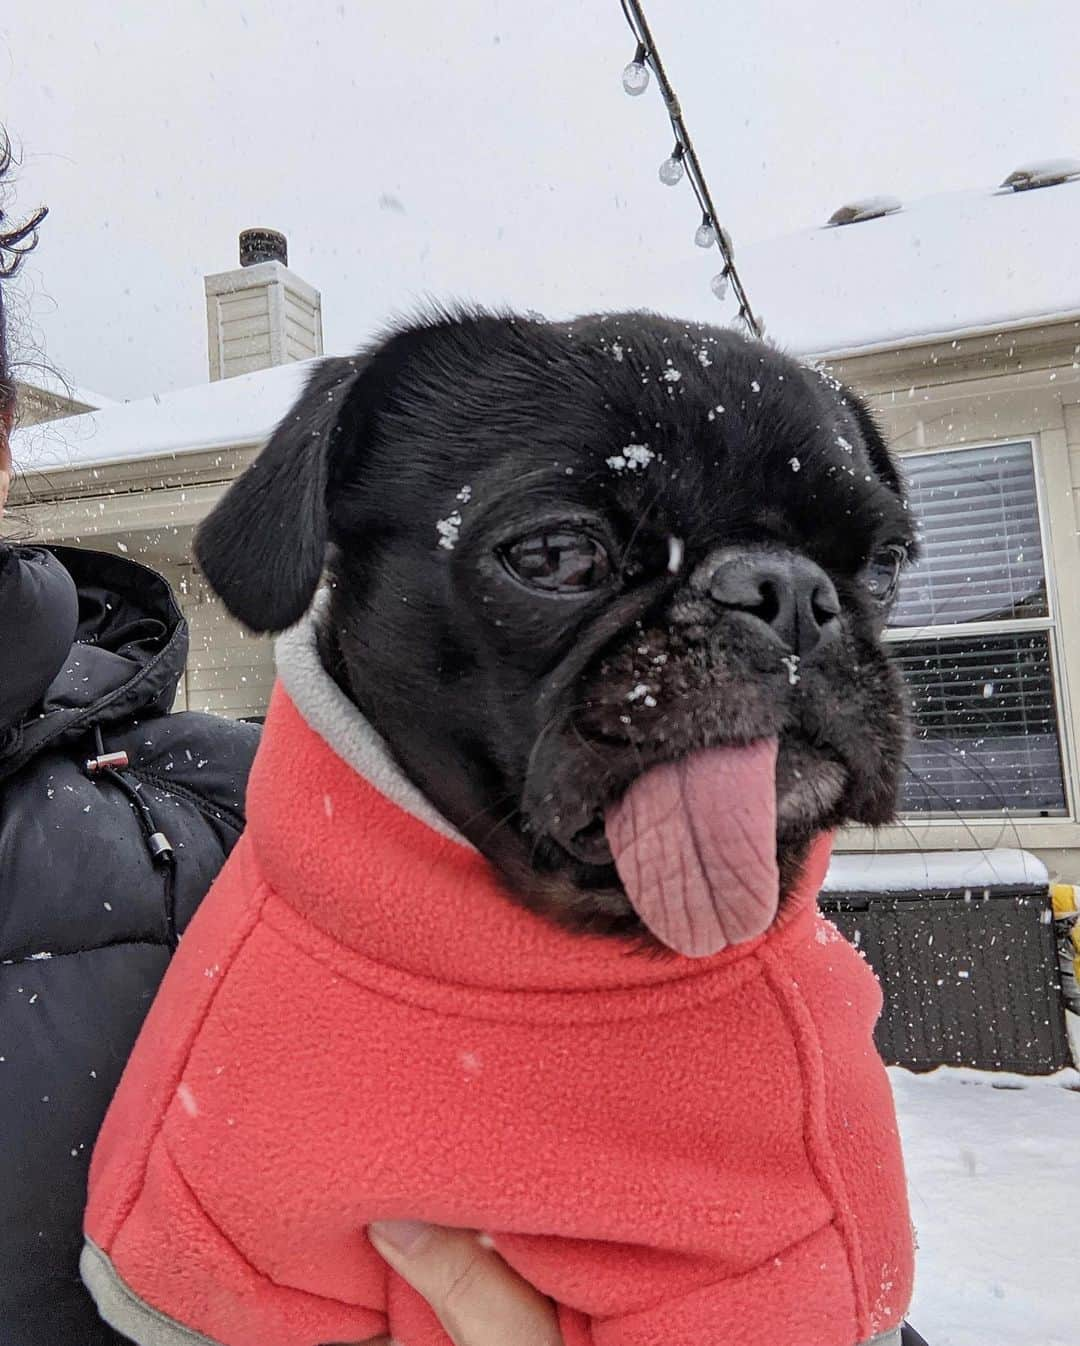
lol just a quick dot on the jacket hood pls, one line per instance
(127, 657)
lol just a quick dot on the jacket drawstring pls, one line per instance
(110, 765)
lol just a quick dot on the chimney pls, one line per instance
(262, 313)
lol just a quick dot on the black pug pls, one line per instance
(561, 554)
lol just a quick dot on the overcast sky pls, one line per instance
(477, 149)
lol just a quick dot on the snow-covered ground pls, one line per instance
(994, 1178)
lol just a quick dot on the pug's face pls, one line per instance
(613, 593)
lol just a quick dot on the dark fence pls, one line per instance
(969, 978)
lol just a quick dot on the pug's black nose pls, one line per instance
(788, 593)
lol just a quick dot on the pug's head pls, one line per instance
(612, 591)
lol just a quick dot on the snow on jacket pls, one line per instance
(89, 643)
(361, 1025)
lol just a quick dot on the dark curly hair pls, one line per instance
(15, 242)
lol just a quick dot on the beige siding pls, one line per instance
(260, 316)
(303, 327)
(1072, 436)
(229, 672)
(244, 306)
(37, 405)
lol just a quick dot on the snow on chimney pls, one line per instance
(262, 313)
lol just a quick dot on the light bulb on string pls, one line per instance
(757, 328)
(719, 284)
(635, 76)
(672, 170)
(705, 235)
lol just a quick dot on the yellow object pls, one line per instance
(1065, 898)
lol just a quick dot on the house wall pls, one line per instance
(38, 404)
(229, 670)
(1072, 439)
(148, 511)
(1022, 384)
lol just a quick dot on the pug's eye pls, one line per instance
(558, 562)
(881, 575)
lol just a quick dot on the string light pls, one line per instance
(683, 162)
(635, 77)
(672, 170)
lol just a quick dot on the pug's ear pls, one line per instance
(263, 546)
(877, 446)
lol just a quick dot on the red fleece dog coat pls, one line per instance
(359, 1025)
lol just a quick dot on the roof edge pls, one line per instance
(1048, 319)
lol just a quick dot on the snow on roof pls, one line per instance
(227, 414)
(78, 392)
(49, 381)
(917, 871)
(940, 267)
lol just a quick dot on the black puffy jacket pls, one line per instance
(99, 872)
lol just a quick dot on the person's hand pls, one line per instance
(478, 1299)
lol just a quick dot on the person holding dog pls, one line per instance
(115, 816)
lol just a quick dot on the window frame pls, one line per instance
(1051, 624)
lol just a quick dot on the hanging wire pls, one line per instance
(684, 156)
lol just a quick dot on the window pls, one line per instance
(973, 634)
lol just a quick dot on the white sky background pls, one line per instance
(518, 171)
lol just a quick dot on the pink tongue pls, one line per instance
(695, 846)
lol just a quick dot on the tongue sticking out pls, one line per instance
(695, 846)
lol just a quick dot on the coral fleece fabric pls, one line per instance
(360, 1024)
